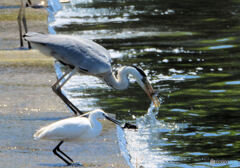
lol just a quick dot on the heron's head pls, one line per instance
(146, 86)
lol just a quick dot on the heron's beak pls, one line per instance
(151, 94)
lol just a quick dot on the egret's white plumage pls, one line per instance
(72, 129)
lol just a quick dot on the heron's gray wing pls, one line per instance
(79, 52)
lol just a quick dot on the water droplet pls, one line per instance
(165, 60)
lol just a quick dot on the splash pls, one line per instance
(142, 148)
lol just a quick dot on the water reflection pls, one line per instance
(190, 52)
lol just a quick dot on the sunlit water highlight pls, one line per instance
(144, 145)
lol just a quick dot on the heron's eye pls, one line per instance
(140, 71)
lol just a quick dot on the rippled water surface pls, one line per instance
(190, 52)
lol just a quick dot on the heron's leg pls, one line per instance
(68, 77)
(69, 104)
(59, 92)
(59, 80)
(57, 148)
(29, 2)
(57, 89)
(25, 23)
(19, 23)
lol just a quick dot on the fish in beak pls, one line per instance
(147, 87)
(150, 92)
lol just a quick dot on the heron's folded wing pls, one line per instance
(79, 52)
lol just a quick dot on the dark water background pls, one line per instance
(190, 52)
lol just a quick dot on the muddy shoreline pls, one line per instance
(28, 103)
(9, 34)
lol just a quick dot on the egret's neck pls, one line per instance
(121, 82)
(96, 125)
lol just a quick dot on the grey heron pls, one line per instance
(57, 86)
(72, 129)
(87, 57)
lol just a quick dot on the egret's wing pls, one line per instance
(82, 53)
(70, 128)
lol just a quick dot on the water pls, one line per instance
(190, 52)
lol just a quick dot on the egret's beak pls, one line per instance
(151, 94)
(122, 125)
(113, 120)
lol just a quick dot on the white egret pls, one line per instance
(72, 129)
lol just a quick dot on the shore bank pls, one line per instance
(9, 34)
(28, 103)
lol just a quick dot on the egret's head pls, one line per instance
(146, 86)
(99, 114)
(122, 125)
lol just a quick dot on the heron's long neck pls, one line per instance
(120, 82)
